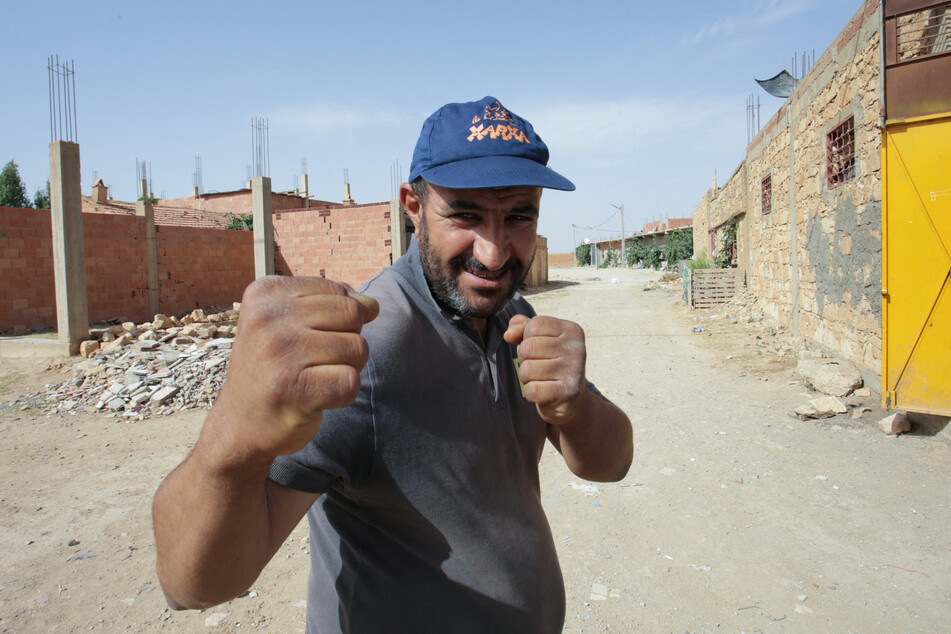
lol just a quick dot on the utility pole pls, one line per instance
(621, 209)
(574, 244)
(623, 259)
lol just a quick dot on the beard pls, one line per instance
(442, 278)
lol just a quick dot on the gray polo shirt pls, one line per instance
(432, 519)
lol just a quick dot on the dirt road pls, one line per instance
(735, 517)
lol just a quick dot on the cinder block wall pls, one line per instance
(346, 244)
(814, 260)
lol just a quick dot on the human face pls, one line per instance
(476, 245)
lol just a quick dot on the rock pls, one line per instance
(895, 424)
(828, 406)
(805, 412)
(116, 330)
(107, 336)
(149, 335)
(215, 619)
(198, 316)
(190, 330)
(88, 348)
(857, 413)
(161, 322)
(863, 392)
(113, 346)
(206, 331)
(176, 322)
(147, 344)
(236, 306)
(829, 377)
(824, 407)
(131, 328)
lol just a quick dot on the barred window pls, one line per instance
(766, 194)
(840, 153)
(924, 33)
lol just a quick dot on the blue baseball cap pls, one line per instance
(481, 144)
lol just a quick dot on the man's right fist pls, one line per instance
(298, 352)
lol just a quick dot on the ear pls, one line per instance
(411, 203)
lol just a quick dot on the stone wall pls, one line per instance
(813, 258)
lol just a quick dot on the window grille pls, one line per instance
(924, 33)
(840, 153)
(766, 194)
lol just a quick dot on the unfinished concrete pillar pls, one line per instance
(398, 241)
(143, 209)
(263, 226)
(69, 254)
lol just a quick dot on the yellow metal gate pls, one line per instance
(916, 207)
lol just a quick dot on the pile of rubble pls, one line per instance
(143, 370)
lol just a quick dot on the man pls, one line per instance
(410, 439)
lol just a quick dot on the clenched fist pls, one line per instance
(298, 352)
(551, 355)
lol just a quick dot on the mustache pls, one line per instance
(471, 262)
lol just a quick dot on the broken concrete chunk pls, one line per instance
(164, 394)
(897, 423)
(198, 316)
(863, 392)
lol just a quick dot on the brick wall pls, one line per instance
(814, 260)
(561, 260)
(197, 267)
(26, 268)
(346, 244)
(117, 282)
(202, 267)
(239, 202)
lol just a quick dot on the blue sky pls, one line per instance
(639, 102)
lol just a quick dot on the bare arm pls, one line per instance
(218, 519)
(593, 435)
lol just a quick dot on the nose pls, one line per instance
(492, 246)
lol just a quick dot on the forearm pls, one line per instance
(212, 526)
(597, 443)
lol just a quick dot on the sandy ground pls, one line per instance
(735, 517)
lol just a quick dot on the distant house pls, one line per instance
(657, 231)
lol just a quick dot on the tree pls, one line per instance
(240, 222)
(653, 256)
(12, 189)
(583, 254)
(41, 199)
(635, 253)
(679, 245)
